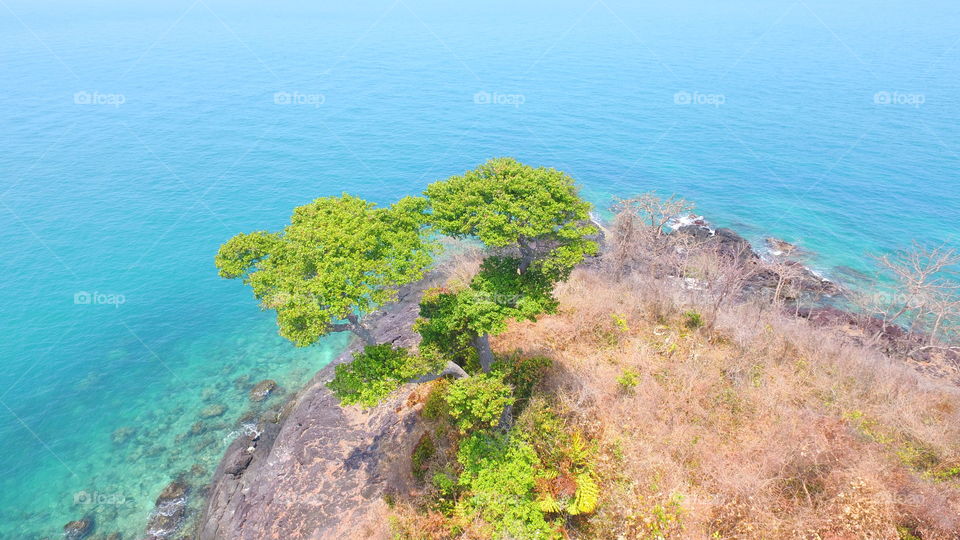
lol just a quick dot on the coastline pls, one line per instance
(339, 462)
(316, 452)
(267, 476)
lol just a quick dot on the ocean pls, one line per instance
(138, 136)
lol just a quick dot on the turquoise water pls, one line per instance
(137, 138)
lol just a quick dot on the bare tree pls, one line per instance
(639, 235)
(917, 292)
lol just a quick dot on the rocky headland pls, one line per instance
(320, 470)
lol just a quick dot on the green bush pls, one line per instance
(499, 475)
(375, 371)
(629, 380)
(422, 453)
(478, 402)
(693, 319)
(522, 373)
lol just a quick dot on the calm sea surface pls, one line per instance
(135, 137)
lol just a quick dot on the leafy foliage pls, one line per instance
(586, 497)
(693, 319)
(422, 452)
(478, 401)
(522, 373)
(499, 473)
(629, 379)
(340, 257)
(374, 372)
(450, 320)
(506, 203)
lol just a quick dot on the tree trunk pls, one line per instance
(361, 331)
(482, 344)
(527, 255)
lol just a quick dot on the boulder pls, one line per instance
(169, 511)
(779, 247)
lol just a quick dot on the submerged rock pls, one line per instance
(212, 411)
(79, 529)
(121, 435)
(262, 390)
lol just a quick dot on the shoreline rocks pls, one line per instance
(169, 511)
(316, 469)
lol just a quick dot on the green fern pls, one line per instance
(579, 451)
(548, 504)
(587, 496)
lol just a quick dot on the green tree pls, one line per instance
(535, 213)
(339, 259)
(456, 322)
(506, 204)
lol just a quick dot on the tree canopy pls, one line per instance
(339, 259)
(505, 203)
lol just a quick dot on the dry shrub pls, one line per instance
(755, 425)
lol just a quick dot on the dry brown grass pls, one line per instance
(758, 425)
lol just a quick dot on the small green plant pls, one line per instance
(692, 319)
(906, 533)
(946, 472)
(478, 402)
(621, 322)
(422, 453)
(629, 379)
(665, 518)
(375, 371)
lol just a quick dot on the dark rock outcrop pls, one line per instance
(779, 246)
(169, 512)
(322, 471)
